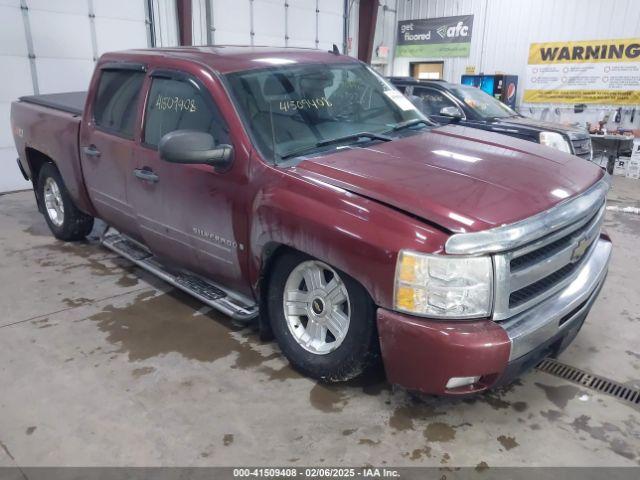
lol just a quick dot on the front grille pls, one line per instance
(549, 249)
(537, 270)
(540, 254)
(582, 147)
(530, 291)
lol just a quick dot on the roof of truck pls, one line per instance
(232, 58)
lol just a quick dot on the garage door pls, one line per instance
(16, 81)
(66, 36)
(299, 23)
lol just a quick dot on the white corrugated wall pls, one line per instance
(49, 46)
(503, 29)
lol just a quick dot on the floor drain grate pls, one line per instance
(589, 380)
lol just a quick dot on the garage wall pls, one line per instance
(293, 23)
(66, 36)
(503, 29)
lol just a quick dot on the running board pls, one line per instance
(215, 296)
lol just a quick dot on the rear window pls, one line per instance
(116, 102)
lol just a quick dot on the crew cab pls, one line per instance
(445, 103)
(299, 189)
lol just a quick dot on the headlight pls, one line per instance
(555, 140)
(443, 286)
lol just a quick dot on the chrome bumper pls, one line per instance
(559, 312)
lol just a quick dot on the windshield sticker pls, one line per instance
(305, 104)
(176, 104)
(400, 100)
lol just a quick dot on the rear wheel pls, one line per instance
(323, 320)
(65, 221)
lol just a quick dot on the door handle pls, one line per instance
(91, 151)
(146, 175)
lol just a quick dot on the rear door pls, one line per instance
(107, 142)
(190, 215)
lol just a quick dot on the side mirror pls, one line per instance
(193, 147)
(451, 112)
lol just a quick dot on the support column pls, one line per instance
(30, 51)
(367, 17)
(185, 27)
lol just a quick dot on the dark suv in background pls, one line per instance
(445, 102)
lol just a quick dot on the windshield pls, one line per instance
(482, 103)
(302, 108)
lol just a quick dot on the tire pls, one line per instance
(65, 221)
(343, 357)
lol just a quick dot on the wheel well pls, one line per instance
(270, 254)
(36, 159)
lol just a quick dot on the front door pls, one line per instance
(431, 102)
(189, 215)
(107, 143)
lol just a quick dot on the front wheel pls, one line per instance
(323, 320)
(65, 221)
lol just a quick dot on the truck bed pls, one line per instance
(70, 102)
(50, 126)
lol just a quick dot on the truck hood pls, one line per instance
(461, 179)
(542, 126)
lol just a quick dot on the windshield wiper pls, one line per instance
(408, 124)
(332, 141)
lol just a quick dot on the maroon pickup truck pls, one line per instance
(300, 189)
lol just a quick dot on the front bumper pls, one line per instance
(423, 355)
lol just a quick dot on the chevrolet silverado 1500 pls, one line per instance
(300, 189)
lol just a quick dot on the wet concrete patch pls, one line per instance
(368, 441)
(633, 354)
(559, 395)
(439, 432)
(154, 325)
(607, 433)
(507, 442)
(38, 229)
(418, 453)
(76, 302)
(552, 415)
(280, 374)
(404, 416)
(126, 281)
(139, 372)
(495, 398)
(328, 398)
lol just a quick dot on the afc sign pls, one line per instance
(459, 30)
(435, 37)
(453, 31)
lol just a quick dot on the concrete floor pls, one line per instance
(101, 364)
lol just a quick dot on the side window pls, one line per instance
(430, 101)
(116, 102)
(181, 105)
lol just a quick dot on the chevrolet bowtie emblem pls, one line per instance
(579, 251)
